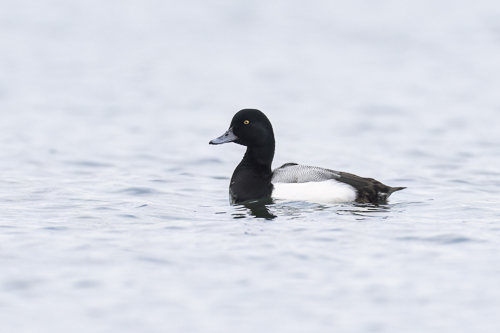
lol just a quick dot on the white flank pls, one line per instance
(325, 191)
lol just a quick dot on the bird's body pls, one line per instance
(254, 179)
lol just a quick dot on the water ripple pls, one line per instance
(440, 239)
(139, 191)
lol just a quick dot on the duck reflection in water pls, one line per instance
(256, 208)
(270, 209)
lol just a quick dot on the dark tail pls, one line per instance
(394, 189)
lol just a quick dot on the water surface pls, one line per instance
(114, 211)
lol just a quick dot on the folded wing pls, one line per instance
(296, 173)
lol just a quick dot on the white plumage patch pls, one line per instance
(325, 191)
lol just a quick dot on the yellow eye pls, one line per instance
(246, 122)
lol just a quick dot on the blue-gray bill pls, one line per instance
(225, 138)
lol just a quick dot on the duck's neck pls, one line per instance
(259, 158)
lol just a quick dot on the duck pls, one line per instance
(254, 179)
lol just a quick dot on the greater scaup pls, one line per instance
(253, 178)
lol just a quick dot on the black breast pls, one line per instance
(250, 183)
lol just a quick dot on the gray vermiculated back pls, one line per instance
(296, 173)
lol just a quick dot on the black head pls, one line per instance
(249, 127)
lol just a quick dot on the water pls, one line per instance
(114, 212)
